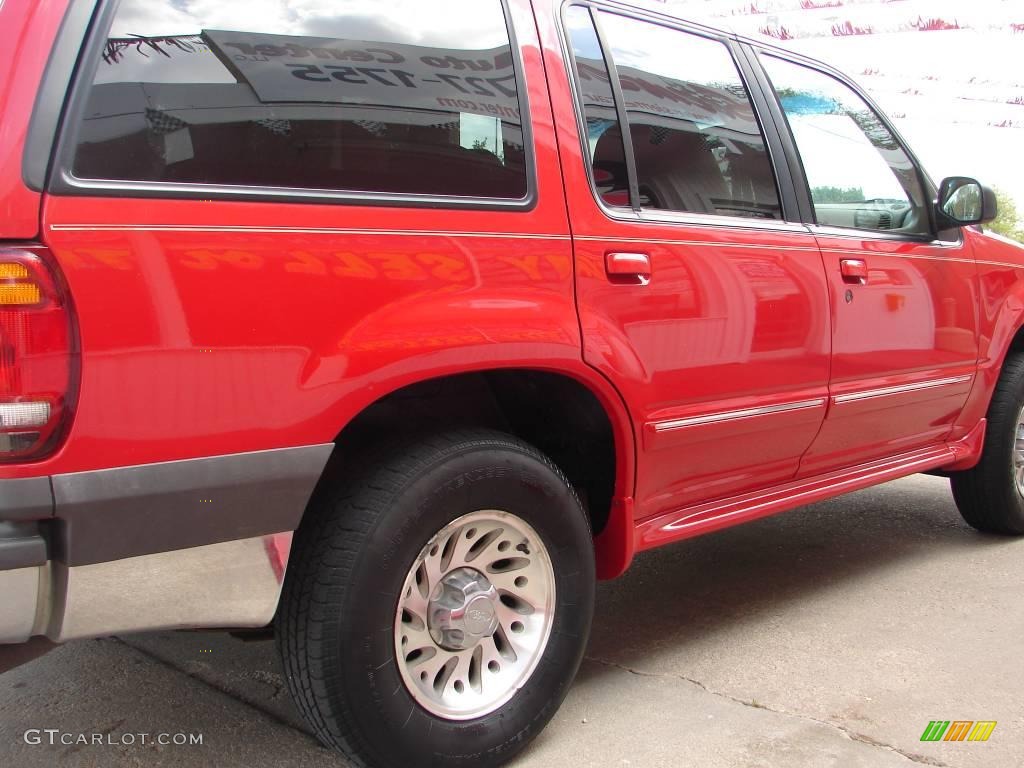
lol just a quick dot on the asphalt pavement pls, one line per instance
(827, 636)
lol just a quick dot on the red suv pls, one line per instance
(397, 324)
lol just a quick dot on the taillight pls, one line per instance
(37, 354)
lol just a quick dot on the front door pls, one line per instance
(904, 317)
(705, 308)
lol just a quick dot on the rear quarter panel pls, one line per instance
(214, 326)
(227, 335)
(27, 32)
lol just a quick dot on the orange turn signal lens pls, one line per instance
(20, 295)
(12, 271)
(17, 287)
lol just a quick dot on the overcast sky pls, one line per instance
(404, 21)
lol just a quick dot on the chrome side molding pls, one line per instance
(745, 413)
(917, 386)
(669, 425)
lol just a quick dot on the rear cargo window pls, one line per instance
(409, 97)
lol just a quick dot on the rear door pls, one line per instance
(904, 308)
(698, 300)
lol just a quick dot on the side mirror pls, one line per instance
(963, 202)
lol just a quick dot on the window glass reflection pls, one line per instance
(697, 143)
(346, 94)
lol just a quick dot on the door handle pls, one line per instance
(854, 271)
(628, 268)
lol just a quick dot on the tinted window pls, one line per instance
(604, 139)
(409, 96)
(697, 143)
(858, 174)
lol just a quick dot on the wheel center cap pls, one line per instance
(479, 617)
(462, 610)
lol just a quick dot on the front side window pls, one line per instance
(696, 140)
(407, 97)
(858, 174)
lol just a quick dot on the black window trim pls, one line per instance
(62, 182)
(797, 203)
(612, 212)
(54, 88)
(791, 221)
(629, 154)
(928, 188)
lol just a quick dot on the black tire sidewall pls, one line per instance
(1000, 444)
(397, 728)
(987, 494)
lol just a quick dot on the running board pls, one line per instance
(712, 516)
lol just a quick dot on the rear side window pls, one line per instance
(414, 97)
(696, 140)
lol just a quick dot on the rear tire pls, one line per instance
(349, 604)
(991, 495)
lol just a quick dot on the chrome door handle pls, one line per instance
(630, 268)
(854, 271)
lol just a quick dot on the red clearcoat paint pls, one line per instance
(27, 30)
(211, 326)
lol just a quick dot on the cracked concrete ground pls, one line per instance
(827, 636)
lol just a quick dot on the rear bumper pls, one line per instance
(193, 543)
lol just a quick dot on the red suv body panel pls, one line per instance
(743, 375)
(999, 287)
(26, 37)
(914, 323)
(213, 327)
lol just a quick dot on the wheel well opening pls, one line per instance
(555, 413)
(1017, 343)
